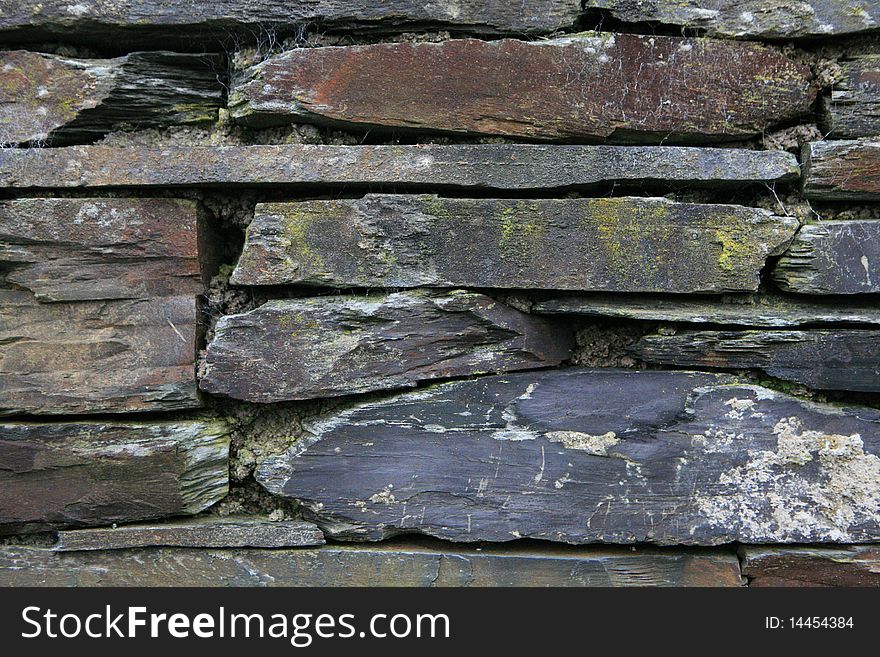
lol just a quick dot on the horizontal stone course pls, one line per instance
(340, 345)
(96, 473)
(820, 358)
(53, 99)
(585, 87)
(196, 24)
(583, 456)
(845, 565)
(200, 532)
(460, 166)
(611, 244)
(780, 19)
(765, 309)
(349, 566)
(199, 23)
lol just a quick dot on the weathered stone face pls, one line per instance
(201, 532)
(275, 268)
(330, 346)
(767, 310)
(51, 98)
(617, 86)
(853, 565)
(395, 565)
(832, 257)
(462, 166)
(194, 23)
(102, 315)
(844, 170)
(853, 108)
(77, 474)
(97, 356)
(823, 359)
(582, 456)
(613, 244)
(770, 19)
(72, 249)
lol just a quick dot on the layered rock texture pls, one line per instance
(583, 87)
(544, 293)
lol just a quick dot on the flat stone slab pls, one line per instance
(461, 166)
(844, 170)
(768, 310)
(845, 565)
(340, 345)
(196, 23)
(81, 474)
(853, 108)
(780, 19)
(88, 249)
(48, 98)
(349, 566)
(97, 356)
(832, 257)
(588, 86)
(824, 359)
(99, 313)
(583, 456)
(613, 244)
(201, 532)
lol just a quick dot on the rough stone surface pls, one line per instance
(618, 244)
(97, 356)
(203, 532)
(73, 249)
(847, 565)
(98, 305)
(191, 23)
(581, 456)
(618, 86)
(853, 109)
(842, 170)
(832, 257)
(79, 474)
(394, 565)
(823, 359)
(769, 19)
(329, 346)
(465, 166)
(769, 310)
(47, 98)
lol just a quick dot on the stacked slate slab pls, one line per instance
(409, 313)
(98, 308)
(606, 86)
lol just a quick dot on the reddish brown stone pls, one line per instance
(96, 356)
(846, 565)
(101, 315)
(71, 249)
(618, 86)
(842, 170)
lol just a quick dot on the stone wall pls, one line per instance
(440, 293)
